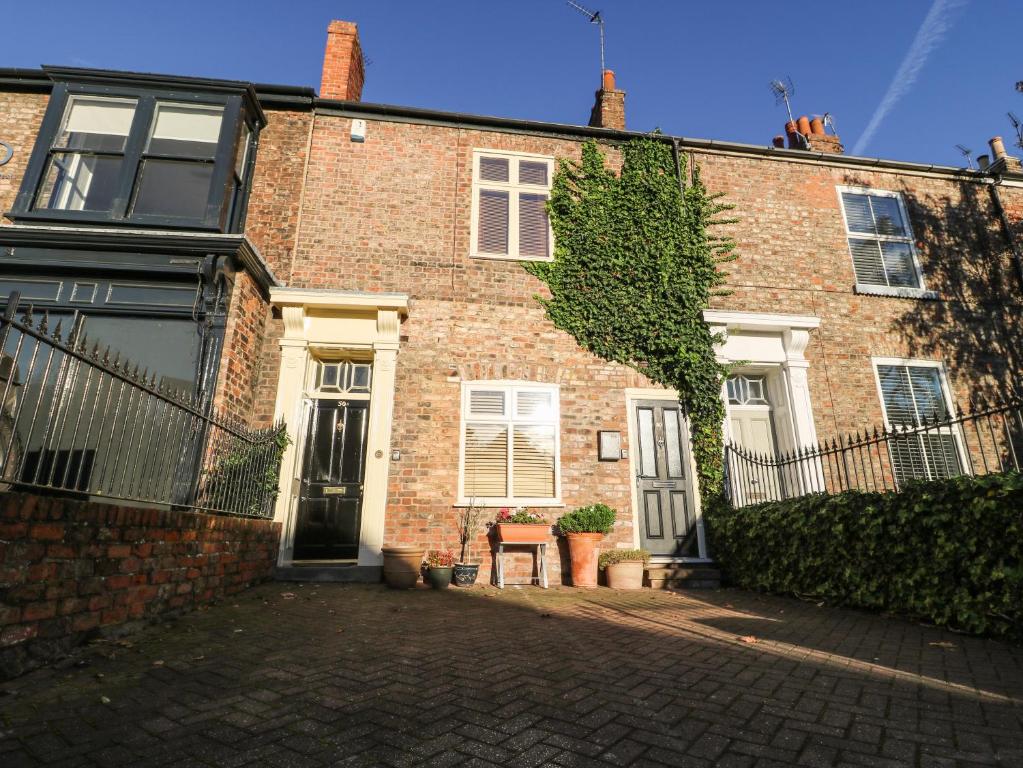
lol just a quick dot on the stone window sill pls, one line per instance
(900, 293)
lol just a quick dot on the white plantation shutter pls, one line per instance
(510, 439)
(857, 213)
(486, 402)
(533, 226)
(912, 394)
(879, 240)
(493, 222)
(510, 206)
(533, 456)
(486, 460)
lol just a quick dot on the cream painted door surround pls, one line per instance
(327, 324)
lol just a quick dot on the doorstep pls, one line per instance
(329, 572)
(682, 575)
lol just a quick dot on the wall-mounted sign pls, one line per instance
(6, 153)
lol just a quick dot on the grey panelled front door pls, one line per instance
(667, 517)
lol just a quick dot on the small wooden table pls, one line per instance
(541, 561)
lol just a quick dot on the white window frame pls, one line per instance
(509, 388)
(918, 292)
(513, 188)
(946, 392)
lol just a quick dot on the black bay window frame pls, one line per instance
(226, 205)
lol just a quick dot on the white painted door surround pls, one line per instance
(772, 345)
(321, 323)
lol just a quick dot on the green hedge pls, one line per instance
(948, 551)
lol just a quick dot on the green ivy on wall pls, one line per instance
(634, 267)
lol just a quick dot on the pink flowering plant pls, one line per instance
(519, 515)
(440, 558)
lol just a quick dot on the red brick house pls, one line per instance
(376, 302)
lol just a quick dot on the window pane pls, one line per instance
(534, 404)
(757, 390)
(898, 265)
(672, 438)
(185, 131)
(648, 459)
(493, 222)
(942, 456)
(242, 155)
(494, 169)
(888, 216)
(857, 213)
(930, 400)
(173, 188)
(533, 226)
(532, 172)
(734, 390)
(361, 373)
(486, 402)
(533, 456)
(897, 394)
(867, 262)
(486, 460)
(95, 123)
(75, 182)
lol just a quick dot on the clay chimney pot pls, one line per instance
(779, 142)
(817, 127)
(609, 80)
(804, 125)
(997, 148)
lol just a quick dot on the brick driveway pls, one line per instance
(357, 675)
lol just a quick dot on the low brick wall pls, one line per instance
(69, 569)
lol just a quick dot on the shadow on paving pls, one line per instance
(360, 676)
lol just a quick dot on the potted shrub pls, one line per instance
(440, 566)
(401, 566)
(521, 526)
(624, 567)
(584, 528)
(469, 520)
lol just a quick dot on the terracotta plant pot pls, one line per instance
(523, 533)
(582, 549)
(401, 566)
(465, 574)
(625, 575)
(439, 578)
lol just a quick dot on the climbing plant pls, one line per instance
(635, 264)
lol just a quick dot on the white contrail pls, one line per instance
(928, 37)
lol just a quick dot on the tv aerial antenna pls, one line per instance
(783, 91)
(967, 153)
(595, 18)
(1017, 126)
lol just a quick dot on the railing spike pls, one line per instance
(26, 316)
(58, 330)
(44, 323)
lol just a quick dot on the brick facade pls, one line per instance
(393, 214)
(69, 569)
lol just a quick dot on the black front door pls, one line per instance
(664, 489)
(330, 500)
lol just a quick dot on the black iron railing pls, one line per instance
(987, 438)
(75, 418)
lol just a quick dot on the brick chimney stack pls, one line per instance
(810, 134)
(1002, 161)
(609, 109)
(343, 68)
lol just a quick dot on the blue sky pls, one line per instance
(690, 68)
